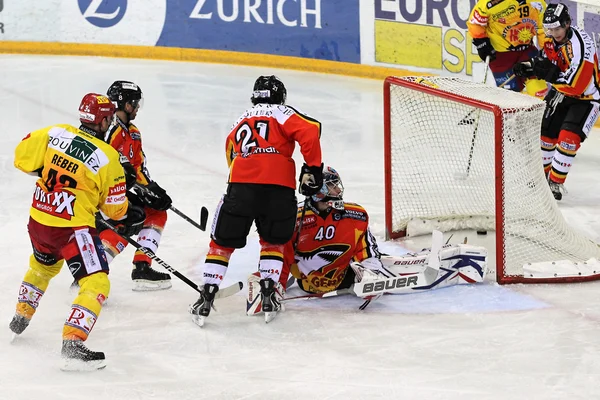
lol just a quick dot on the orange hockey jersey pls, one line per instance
(127, 140)
(80, 175)
(328, 243)
(578, 63)
(511, 25)
(261, 143)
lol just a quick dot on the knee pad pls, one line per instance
(95, 285)
(569, 142)
(156, 219)
(536, 88)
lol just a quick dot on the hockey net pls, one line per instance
(461, 155)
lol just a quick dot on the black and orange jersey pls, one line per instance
(511, 25)
(260, 145)
(80, 174)
(127, 140)
(578, 63)
(328, 242)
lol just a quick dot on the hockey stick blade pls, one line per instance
(229, 290)
(203, 218)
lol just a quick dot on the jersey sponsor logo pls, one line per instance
(103, 13)
(59, 204)
(116, 194)
(493, 3)
(522, 33)
(390, 284)
(504, 13)
(359, 215)
(78, 148)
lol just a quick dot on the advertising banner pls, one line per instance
(432, 35)
(322, 29)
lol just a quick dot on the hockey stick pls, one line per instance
(203, 210)
(509, 80)
(310, 296)
(465, 175)
(225, 292)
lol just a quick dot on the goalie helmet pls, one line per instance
(332, 191)
(268, 89)
(556, 15)
(94, 108)
(123, 92)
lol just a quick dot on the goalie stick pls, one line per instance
(203, 210)
(224, 292)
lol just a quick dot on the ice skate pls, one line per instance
(147, 279)
(77, 357)
(18, 325)
(201, 308)
(557, 189)
(271, 298)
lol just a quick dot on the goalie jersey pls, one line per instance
(328, 242)
(511, 25)
(79, 175)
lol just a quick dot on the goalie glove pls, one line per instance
(311, 180)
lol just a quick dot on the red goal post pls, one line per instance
(461, 155)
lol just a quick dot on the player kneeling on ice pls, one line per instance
(333, 250)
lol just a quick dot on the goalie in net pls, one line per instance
(333, 249)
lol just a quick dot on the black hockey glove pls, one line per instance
(523, 69)
(155, 197)
(484, 48)
(129, 226)
(311, 179)
(546, 70)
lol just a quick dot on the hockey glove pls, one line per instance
(546, 70)
(155, 197)
(523, 69)
(130, 225)
(311, 180)
(484, 48)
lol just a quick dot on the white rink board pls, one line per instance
(470, 342)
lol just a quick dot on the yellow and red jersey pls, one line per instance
(127, 140)
(80, 174)
(328, 242)
(260, 145)
(511, 25)
(578, 63)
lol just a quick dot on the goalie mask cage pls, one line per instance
(462, 155)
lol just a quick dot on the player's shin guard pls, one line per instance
(86, 307)
(271, 260)
(548, 148)
(215, 265)
(568, 144)
(32, 289)
(149, 236)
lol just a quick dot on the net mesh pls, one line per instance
(443, 151)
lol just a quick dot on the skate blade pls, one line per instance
(198, 320)
(73, 365)
(150, 286)
(13, 337)
(270, 316)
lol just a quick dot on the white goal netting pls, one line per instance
(463, 155)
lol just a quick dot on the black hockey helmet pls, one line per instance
(268, 89)
(123, 92)
(556, 15)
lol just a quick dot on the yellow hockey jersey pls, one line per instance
(511, 25)
(79, 175)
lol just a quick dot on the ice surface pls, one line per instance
(469, 342)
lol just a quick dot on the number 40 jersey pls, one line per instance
(261, 143)
(328, 242)
(79, 175)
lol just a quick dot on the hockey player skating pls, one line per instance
(125, 137)
(78, 174)
(570, 63)
(261, 190)
(504, 30)
(333, 250)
